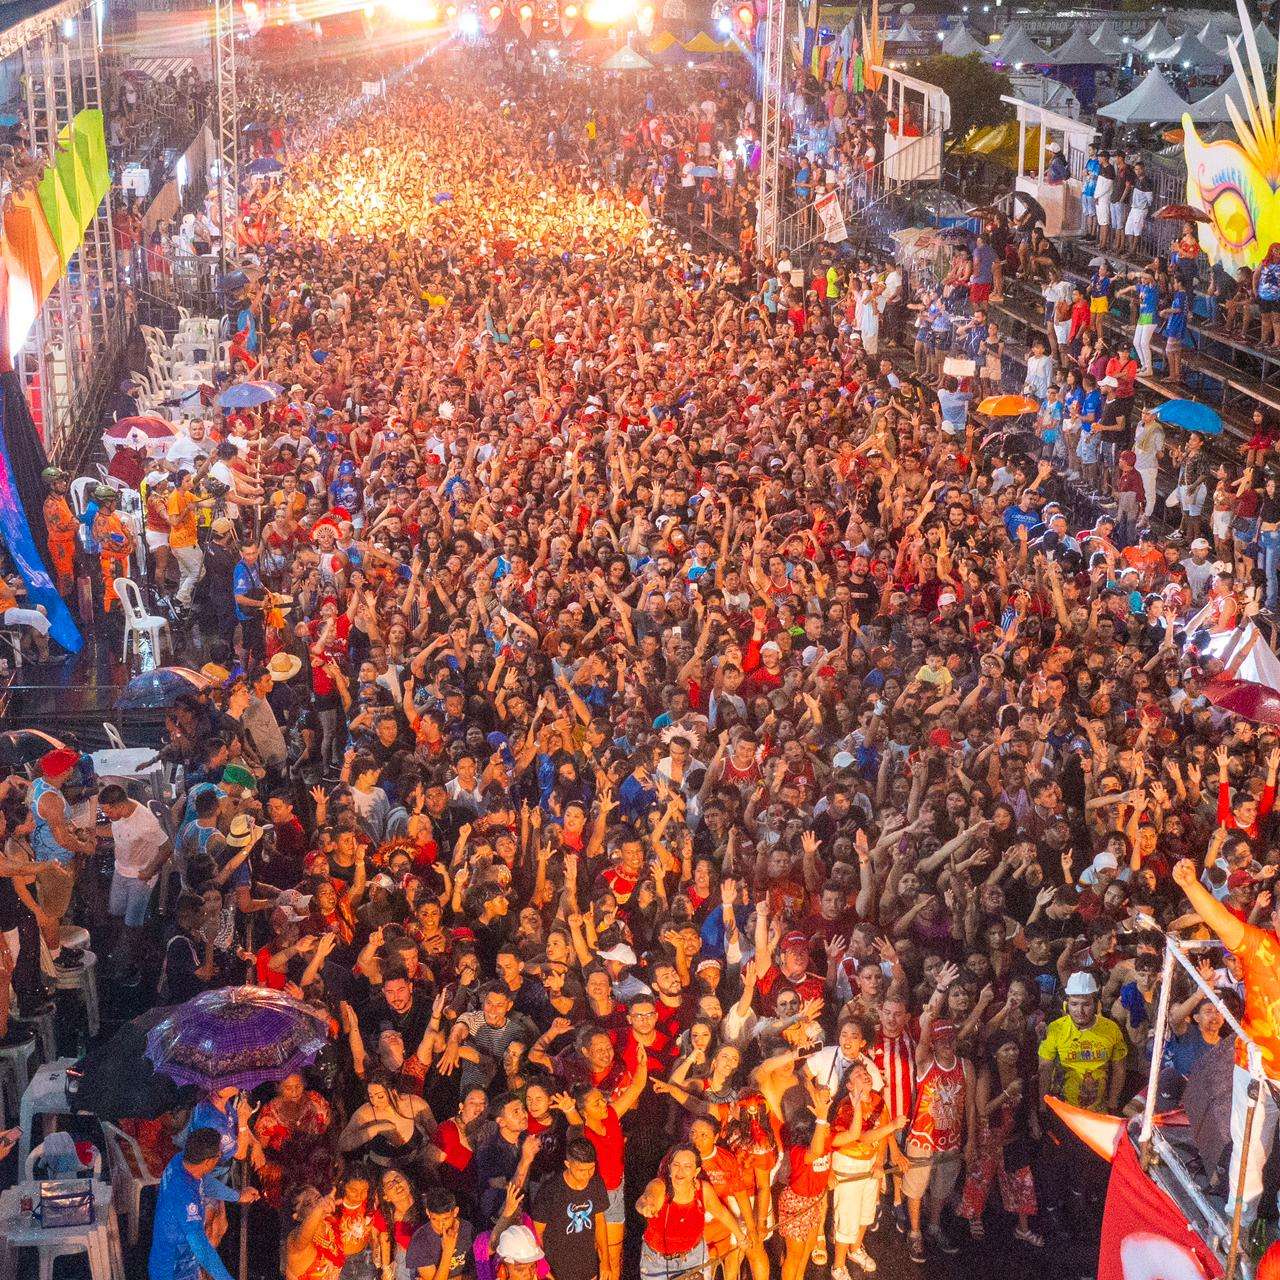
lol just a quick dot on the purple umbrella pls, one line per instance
(240, 1036)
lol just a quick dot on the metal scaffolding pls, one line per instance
(67, 357)
(773, 37)
(226, 133)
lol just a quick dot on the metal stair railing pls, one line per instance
(862, 193)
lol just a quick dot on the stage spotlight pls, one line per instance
(495, 12)
(724, 24)
(570, 11)
(526, 12)
(469, 25)
(608, 13)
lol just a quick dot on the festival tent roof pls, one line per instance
(905, 34)
(959, 43)
(1187, 51)
(1042, 91)
(1212, 108)
(1154, 101)
(1159, 37)
(1264, 39)
(1016, 48)
(703, 43)
(626, 59)
(1078, 51)
(661, 40)
(1214, 36)
(1107, 38)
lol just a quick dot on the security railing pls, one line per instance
(1218, 1225)
(867, 196)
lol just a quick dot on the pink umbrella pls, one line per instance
(1257, 702)
(151, 427)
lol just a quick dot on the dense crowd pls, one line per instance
(709, 785)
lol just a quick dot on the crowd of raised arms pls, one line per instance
(713, 792)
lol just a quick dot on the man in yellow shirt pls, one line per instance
(1082, 1054)
(183, 542)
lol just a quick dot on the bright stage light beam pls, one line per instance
(609, 13)
(468, 24)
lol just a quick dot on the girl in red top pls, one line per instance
(677, 1205)
(802, 1206)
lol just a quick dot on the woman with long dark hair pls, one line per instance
(677, 1204)
(1007, 1132)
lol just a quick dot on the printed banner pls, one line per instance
(832, 218)
(1145, 1236)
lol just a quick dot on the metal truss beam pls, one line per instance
(773, 36)
(226, 138)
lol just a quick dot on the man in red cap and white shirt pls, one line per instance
(55, 843)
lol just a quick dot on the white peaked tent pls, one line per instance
(1213, 36)
(1159, 37)
(1078, 51)
(1016, 48)
(1154, 101)
(960, 44)
(1266, 41)
(1107, 38)
(626, 59)
(1212, 108)
(1187, 51)
(905, 34)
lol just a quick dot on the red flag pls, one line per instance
(1145, 1236)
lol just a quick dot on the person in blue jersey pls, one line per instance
(180, 1247)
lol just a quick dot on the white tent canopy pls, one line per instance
(1187, 51)
(1159, 37)
(1154, 101)
(1212, 108)
(1016, 48)
(1213, 36)
(1041, 91)
(1107, 38)
(959, 43)
(905, 34)
(626, 59)
(1079, 51)
(1265, 41)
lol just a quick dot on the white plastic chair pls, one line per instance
(138, 622)
(113, 735)
(129, 1176)
(81, 489)
(36, 1152)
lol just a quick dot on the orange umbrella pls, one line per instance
(1008, 406)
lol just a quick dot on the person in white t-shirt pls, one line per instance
(141, 848)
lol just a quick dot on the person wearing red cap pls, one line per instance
(55, 843)
(791, 970)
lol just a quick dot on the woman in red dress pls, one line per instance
(290, 1129)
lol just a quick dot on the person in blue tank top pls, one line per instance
(55, 843)
(180, 1248)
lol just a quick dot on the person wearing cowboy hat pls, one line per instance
(235, 874)
(61, 524)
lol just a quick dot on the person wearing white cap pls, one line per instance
(1082, 1054)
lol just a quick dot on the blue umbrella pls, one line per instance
(705, 171)
(233, 281)
(247, 395)
(255, 126)
(1190, 415)
(162, 687)
(264, 167)
(442, 197)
